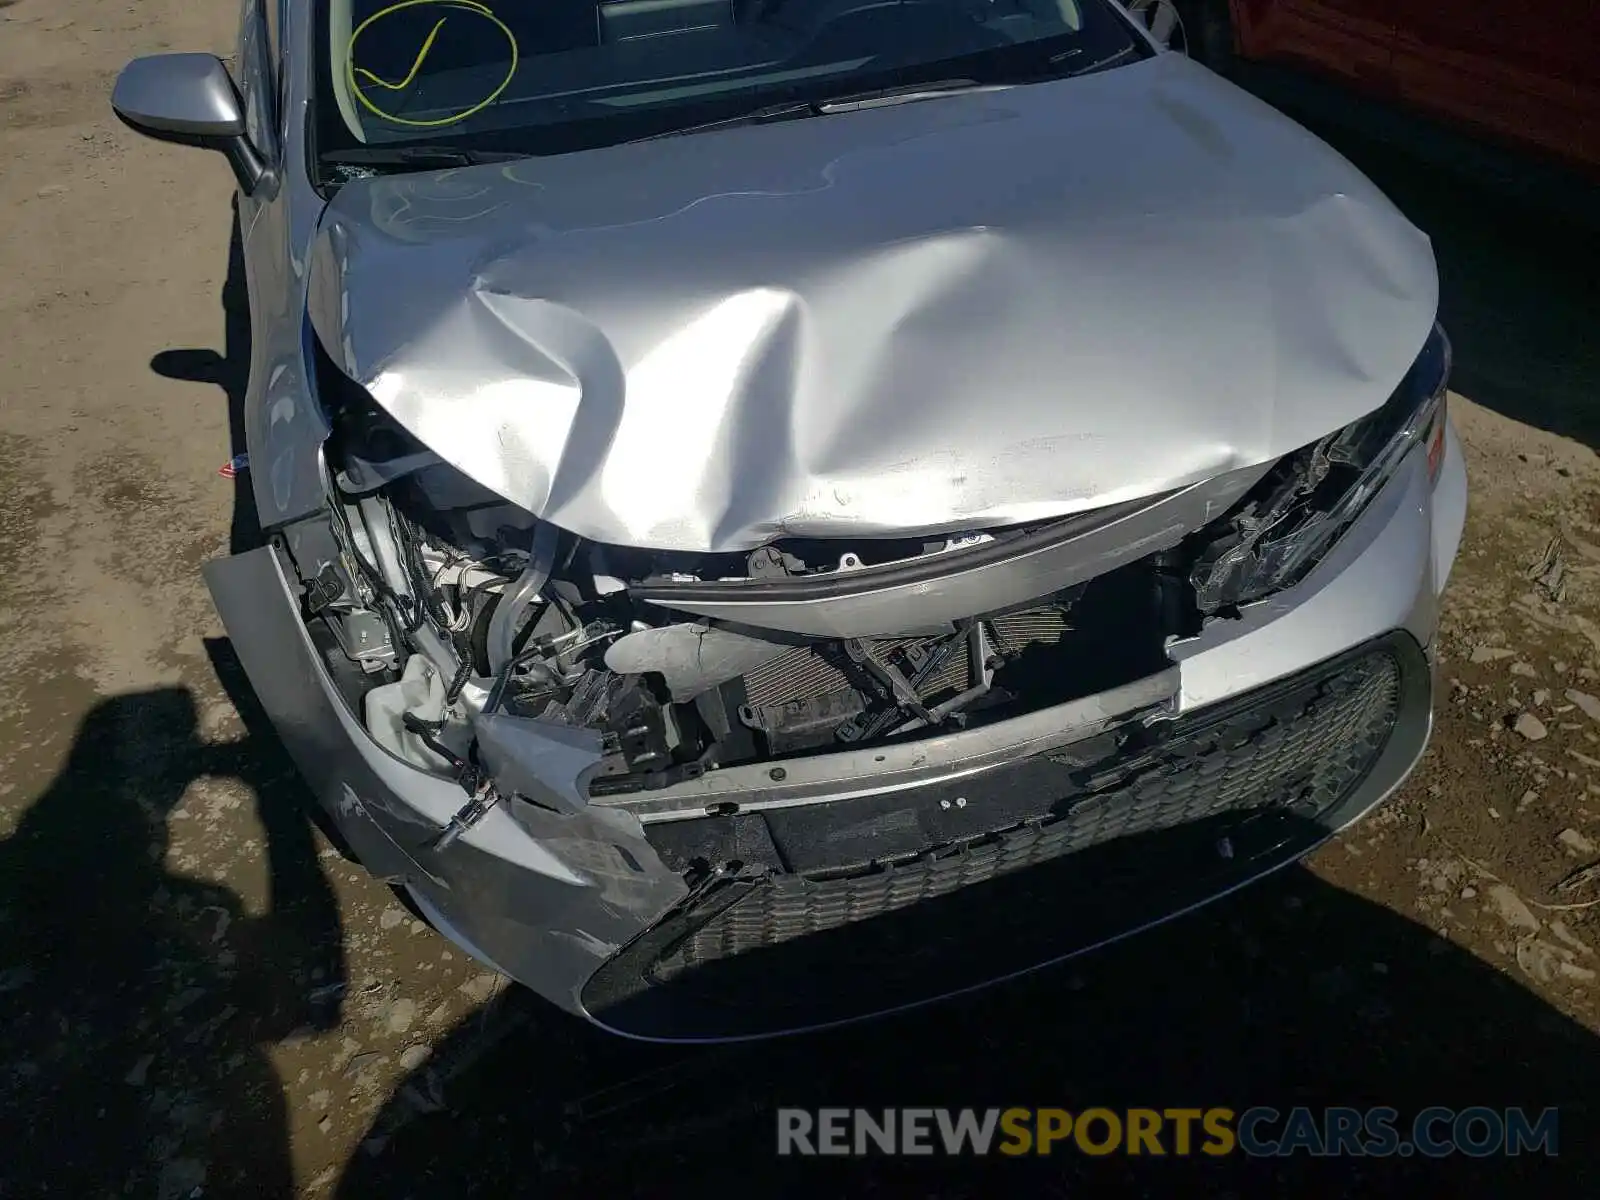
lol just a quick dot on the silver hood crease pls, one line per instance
(966, 311)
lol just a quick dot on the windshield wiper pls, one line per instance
(1100, 64)
(904, 94)
(793, 110)
(417, 158)
(789, 110)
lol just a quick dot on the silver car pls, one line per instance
(780, 510)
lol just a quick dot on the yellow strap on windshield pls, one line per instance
(467, 6)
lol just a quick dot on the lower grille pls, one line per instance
(1305, 762)
(1120, 842)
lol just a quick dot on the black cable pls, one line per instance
(453, 692)
(426, 731)
(426, 600)
(472, 594)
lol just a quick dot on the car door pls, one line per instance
(1349, 39)
(1519, 70)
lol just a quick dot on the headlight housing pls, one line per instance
(1292, 518)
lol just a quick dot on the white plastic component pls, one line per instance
(420, 691)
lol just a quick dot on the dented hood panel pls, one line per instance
(966, 311)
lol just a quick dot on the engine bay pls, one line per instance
(521, 619)
(437, 603)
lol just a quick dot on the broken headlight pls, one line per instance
(1296, 514)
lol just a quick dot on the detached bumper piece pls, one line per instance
(807, 916)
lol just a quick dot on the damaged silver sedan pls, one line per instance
(779, 510)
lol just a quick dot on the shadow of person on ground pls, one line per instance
(299, 895)
(138, 999)
(1289, 993)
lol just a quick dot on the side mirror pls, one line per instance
(1162, 21)
(188, 99)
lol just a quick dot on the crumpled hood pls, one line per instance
(958, 312)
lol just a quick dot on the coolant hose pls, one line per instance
(520, 596)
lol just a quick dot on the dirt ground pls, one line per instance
(198, 997)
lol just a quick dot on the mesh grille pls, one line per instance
(1300, 759)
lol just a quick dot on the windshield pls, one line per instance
(540, 76)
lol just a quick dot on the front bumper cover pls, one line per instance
(982, 878)
(555, 899)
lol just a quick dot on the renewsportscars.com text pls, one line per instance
(1261, 1132)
